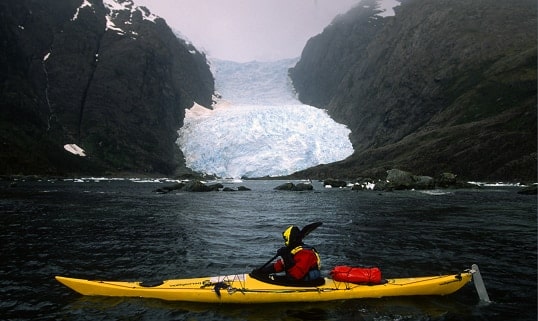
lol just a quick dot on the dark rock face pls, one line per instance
(197, 186)
(334, 183)
(294, 187)
(443, 86)
(397, 179)
(116, 83)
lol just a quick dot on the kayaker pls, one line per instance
(300, 262)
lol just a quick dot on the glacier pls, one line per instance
(258, 128)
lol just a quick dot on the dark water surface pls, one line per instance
(120, 230)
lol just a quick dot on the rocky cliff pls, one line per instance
(103, 74)
(441, 86)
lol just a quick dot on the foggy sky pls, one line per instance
(246, 30)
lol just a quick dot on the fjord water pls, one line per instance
(121, 230)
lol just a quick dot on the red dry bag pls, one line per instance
(361, 275)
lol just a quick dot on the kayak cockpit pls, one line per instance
(151, 284)
(286, 281)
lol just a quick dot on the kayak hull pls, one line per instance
(244, 289)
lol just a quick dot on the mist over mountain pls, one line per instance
(106, 75)
(441, 86)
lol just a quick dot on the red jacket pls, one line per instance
(305, 259)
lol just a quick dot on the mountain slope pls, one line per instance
(106, 75)
(441, 86)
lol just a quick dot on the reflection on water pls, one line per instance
(120, 230)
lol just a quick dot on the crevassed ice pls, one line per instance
(274, 135)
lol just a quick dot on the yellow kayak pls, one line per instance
(245, 289)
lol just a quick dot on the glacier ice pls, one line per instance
(255, 83)
(261, 129)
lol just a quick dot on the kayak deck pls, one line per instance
(244, 289)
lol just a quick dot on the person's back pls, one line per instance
(300, 262)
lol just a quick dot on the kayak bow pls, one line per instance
(244, 289)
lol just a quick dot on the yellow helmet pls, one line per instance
(292, 236)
